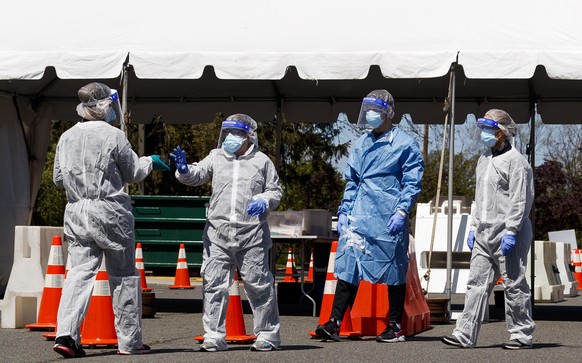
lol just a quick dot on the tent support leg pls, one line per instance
(451, 97)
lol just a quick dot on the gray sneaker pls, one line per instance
(144, 349)
(515, 345)
(451, 340)
(262, 346)
(210, 347)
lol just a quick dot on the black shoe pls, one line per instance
(515, 344)
(392, 334)
(329, 330)
(451, 340)
(67, 347)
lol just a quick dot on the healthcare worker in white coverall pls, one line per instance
(93, 162)
(245, 187)
(500, 236)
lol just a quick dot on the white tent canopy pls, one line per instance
(310, 60)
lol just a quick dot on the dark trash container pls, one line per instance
(162, 223)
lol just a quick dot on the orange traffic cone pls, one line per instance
(371, 307)
(235, 324)
(53, 287)
(310, 272)
(140, 267)
(346, 329)
(289, 268)
(416, 314)
(182, 279)
(370, 310)
(53, 334)
(577, 263)
(98, 328)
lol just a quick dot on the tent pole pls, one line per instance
(279, 119)
(450, 184)
(124, 98)
(532, 160)
(124, 75)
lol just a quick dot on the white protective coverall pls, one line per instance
(234, 238)
(504, 196)
(93, 161)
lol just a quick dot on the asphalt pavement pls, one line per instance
(178, 318)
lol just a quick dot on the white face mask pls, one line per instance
(374, 118)
(232, 143)
(488, 137)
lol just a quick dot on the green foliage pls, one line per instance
(309, 179)
(50, 201)
(463, 174)
(196, 139)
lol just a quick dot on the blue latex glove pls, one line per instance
(471, 240)
(395, 224)
(341, 221)
(179, 157)
(507, 243)
(257, 207)
(158, 163)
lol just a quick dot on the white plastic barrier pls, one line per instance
(461, 253)
(26, 283)
(563, 252)
(548, 286)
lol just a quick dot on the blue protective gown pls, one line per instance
(383, 175)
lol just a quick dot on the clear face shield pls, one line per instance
(116, 106)
(106, 109)
(374, 112)
(236, 128)
(486, 129)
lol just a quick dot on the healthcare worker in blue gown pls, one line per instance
(383, 174)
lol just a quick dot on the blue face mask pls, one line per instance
(110, 115)
(232, 143)
(374, 118)
(488, 137)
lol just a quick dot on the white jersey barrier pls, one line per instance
(21, 301)
(563, 256)
(461, 253)
(548, 286)
(549, 256)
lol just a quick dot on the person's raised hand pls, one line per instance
(179, 157)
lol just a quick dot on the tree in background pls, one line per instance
(566, 148)
(557, 201)
(463, 174)
(50, 200)
(307, 174)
